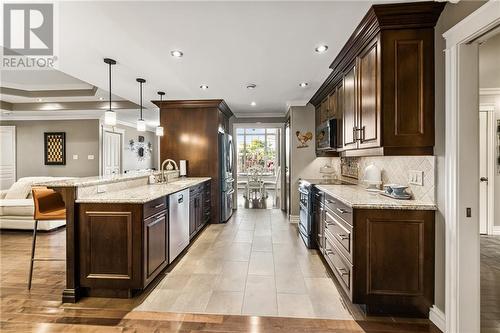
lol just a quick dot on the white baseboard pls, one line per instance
(438, 318)
(495, 230)
(294, 219)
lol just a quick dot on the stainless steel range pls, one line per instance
(306, 210)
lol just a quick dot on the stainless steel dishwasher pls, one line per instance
(178, 222)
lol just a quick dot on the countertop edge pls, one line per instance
(141, 201)
(407, 205)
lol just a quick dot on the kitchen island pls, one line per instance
(118, 230)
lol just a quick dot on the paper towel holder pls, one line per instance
(183, 168)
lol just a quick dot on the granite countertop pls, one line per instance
(357, 197)
(144, 193)
(97, 180)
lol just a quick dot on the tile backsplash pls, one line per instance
(395, 169)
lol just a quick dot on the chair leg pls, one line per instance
(33, 245)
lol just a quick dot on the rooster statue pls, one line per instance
(303, 139)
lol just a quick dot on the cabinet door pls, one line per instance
(199, 211)
(192, 216)
(340, 113)
(350, 110)
(332, 105)
(369, 96)
(324, 110)
(155, 245)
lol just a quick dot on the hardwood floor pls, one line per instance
(41, 310)
(490, 284)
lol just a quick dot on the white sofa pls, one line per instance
(16, 206)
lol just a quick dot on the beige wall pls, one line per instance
(303, 161)
(82, 139)
(451, 15)
(130, 161)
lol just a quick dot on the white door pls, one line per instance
(7, 156)
(483, 172)
(112, 153)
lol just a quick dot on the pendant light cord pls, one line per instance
(110, 86)
(141, 98)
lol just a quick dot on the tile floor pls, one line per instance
(256, 264)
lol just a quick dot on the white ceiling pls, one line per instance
(41, 80)
(226, 45)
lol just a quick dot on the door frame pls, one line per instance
(462, 168)
(491, 127)
(113, 129)
(277, 125)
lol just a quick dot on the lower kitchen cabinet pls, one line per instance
(199, 207)
(382, 258)
(122, 248)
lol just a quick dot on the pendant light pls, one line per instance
(141, 124)
(110, 115)
(159, 129)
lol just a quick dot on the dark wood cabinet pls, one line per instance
(368, 89)
(349, 110)
(382, 258)
(124, 247)
(199, 208)
(155, 245)
(191, 133)
(387, 72)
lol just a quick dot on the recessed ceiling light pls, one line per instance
(38, 99)
(101, 98)
(251, 86)
(303, 84)
(176, 53)
(321, 48)
(204, 87)
(253, 104)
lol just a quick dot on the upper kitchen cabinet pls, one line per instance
(386, 73)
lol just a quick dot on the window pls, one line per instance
(257, 147)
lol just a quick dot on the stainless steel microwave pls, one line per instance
(326, 135)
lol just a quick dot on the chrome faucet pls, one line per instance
(165, 164)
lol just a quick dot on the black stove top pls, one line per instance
(325, 181)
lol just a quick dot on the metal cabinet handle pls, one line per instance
(343, 237)
(330, 201)
(160, 205)
(328, 252)
(343, 271)
(330, 223)
(483, 179)
(342, 211)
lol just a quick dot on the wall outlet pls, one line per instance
(101, 188)
(416, 177)
(75, 157)
(90, 157)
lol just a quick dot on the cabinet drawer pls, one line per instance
(154, 206)
(340, 266)
(339, 208)
(340, 233)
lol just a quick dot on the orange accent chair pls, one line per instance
(49, 205)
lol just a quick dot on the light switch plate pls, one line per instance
(416, 177)
(75, 157)
(90, 157)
